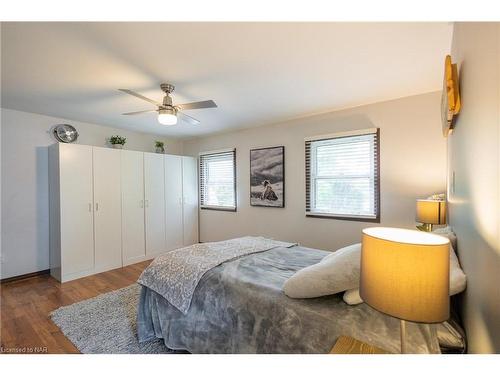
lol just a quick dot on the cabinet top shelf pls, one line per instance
(60, 144)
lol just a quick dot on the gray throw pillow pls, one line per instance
(335, 273)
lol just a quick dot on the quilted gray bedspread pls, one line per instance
(239, 307)
(176, 274)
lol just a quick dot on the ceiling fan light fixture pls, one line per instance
(167, 116)
(168, 113)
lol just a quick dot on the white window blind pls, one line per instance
(218, 180)
(342, 175)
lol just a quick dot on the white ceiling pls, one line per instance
(257, 73)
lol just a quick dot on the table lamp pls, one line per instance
(405, 274)
(430, 212)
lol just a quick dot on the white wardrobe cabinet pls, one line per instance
(110, 208)
(173, 202)
(154, 203)
(133, 236)
(107, 209)
(71, 211)
(181, 201)
(190, 200)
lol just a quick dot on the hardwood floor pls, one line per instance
(25, 306)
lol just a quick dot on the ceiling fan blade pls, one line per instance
(130, 92)
(139, 112)
(187, 118)
(198, 105)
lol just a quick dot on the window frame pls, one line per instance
(310, 180)
(201, 181)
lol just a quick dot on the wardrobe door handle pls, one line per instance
(90, 207)
(97, 206)
(142, 203)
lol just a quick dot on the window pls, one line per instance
(218, 180)
(342, 175)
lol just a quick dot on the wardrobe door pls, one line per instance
(190, 199)
(76, 210)
(173, 201)
(107, 209)
(133, 241)
(154, 188)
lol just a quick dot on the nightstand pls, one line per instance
(349, 345)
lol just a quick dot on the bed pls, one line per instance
(238, 306)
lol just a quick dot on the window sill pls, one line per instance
(368, 219)
(227, 209)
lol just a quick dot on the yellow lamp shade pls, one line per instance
(405, 273)
(431, 211)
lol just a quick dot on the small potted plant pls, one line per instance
(117, 141)
(160, 147)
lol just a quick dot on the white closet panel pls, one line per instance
(133, 241)
(190, 199)
(76, 213)
(173, 202)
(107, 209)
(154, 185)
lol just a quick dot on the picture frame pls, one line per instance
(450, 97)
(267, 177)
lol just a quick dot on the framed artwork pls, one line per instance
(450, 98)
(267, 177)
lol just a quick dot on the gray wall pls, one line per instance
(24, 176)
(413, 164)
(473, 156)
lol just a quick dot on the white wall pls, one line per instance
(413, 164)
(474, 203)
(24, 176)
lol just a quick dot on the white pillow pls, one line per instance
(448, 233)
(458, 280)
(335, 273)
(352, 297)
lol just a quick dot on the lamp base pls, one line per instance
(433, 343)
(430, 334)
(425, 227)
(402, 327)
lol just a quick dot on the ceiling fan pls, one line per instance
(167, 112)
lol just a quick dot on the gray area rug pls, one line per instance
(106, 324)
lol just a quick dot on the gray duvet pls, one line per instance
(239, 307)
